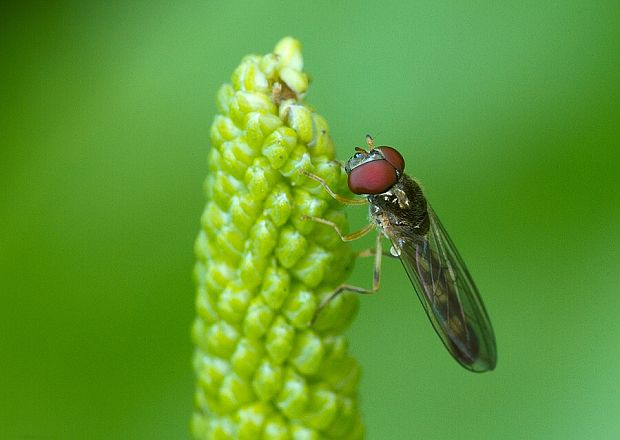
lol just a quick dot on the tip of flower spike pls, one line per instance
(288, 50)
(285, 68)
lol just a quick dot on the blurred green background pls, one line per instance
(508, 114)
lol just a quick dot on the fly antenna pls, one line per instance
(370, 141)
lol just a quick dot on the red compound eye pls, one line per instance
(393, 157)
(374, 177)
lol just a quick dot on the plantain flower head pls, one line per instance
(262, 371)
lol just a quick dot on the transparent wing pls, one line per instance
(448, 294)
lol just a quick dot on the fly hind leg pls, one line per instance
(376, 278)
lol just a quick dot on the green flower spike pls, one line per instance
(263, 372)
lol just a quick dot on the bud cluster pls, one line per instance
(262, 371)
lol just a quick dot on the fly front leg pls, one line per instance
(344, 237)
(376, 281)
(341, 199)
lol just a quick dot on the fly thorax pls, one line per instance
(401, 198)
(402, 206)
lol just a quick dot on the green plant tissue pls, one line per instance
(262, 371)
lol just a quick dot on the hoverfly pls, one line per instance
(401, 213)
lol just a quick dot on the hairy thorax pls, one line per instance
(401, 211)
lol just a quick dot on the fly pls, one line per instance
(400, 211)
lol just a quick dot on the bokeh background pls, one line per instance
(508, 114)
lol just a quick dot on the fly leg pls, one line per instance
(348, 237)
(377, 252)
(372, 252)
(376, 274)
(341, 199)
